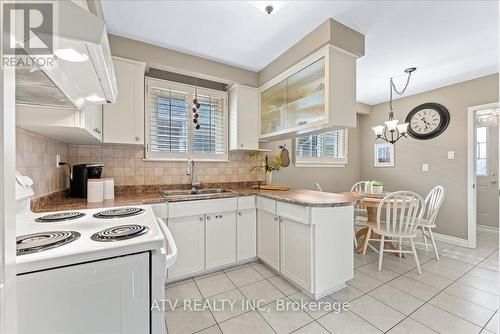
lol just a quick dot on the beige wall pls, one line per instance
(125, 164)
(331, 179)
(410, 153)
(36, 158)
(178, 62)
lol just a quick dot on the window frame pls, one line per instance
(189, 155)
(301, 161)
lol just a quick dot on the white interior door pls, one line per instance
(486, 153)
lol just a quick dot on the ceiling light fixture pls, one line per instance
(268, 7)
(71, 55)
(396, 130)
(94, 98)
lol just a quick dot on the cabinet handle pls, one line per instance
(97, 130)
(239, 213)
(276, 219)
(136, 138)
(241, 145)
(280, 219)
(220, 216)
(208, 217)
(201, 219)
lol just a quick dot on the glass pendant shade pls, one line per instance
(403, 128)
(392, 125)
(378, 130)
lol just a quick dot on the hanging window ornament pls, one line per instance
(196, 106)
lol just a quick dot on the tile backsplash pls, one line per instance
(36, 158)
(125, 164)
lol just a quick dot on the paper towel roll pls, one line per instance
(95, 190)
(109, 188)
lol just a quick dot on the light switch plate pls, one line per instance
(451, 155)
(425, 167)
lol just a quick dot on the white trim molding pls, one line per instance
(451, 240)
(484, 228)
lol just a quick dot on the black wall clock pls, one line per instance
(427, 121)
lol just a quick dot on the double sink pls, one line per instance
(195, 193)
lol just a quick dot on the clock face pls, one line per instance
(427, 121)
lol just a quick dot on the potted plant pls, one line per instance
(268, 165)
(378, 187)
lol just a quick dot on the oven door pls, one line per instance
(108, 296)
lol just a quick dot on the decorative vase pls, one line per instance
(378, 189)
(269, 177)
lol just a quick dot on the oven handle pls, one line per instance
(172, 257)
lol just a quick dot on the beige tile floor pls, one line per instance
(458, 294)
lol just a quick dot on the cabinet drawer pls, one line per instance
(266, 204)
(246, 202)
(190, 208)
(293, 212)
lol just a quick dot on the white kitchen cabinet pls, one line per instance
(124, 120)
(316, 94)
(243, 118)
(268, 239)
(246, 234)
(69, 126)
(189, 236)
(220, 239)
(296, 241)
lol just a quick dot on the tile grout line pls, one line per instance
(427, 302)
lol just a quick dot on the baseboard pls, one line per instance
(451, 240)
(484, 228)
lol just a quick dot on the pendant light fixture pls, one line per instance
(392, 131)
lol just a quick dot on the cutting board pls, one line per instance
(271, 187)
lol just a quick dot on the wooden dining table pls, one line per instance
(371, 203)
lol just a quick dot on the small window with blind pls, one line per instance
(328, 149)
(171, 132)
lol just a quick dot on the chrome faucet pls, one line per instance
(191, 169)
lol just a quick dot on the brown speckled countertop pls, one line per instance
(139, 196)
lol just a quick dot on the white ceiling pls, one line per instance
(448, 41)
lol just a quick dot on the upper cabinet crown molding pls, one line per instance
(123, 121)
(316, 94)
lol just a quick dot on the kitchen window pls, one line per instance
(482, 151)
(327, 149)
(170, 131)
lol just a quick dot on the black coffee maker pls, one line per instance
(80, 175)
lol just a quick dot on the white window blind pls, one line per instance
(171, 133)
(324, 149)
(210, 138)
(168, 122)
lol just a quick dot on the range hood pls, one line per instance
(82, 71)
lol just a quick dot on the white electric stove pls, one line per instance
(90, 271)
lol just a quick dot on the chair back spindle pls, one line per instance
(400, 211)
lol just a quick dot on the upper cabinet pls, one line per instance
(243, 118)
(123, 121)
(318, 93)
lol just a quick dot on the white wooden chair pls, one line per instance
(433, 203)
(360, 214)
(398, 215)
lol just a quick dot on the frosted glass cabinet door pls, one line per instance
(295, 101)
(306, 95)
(273, 108)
